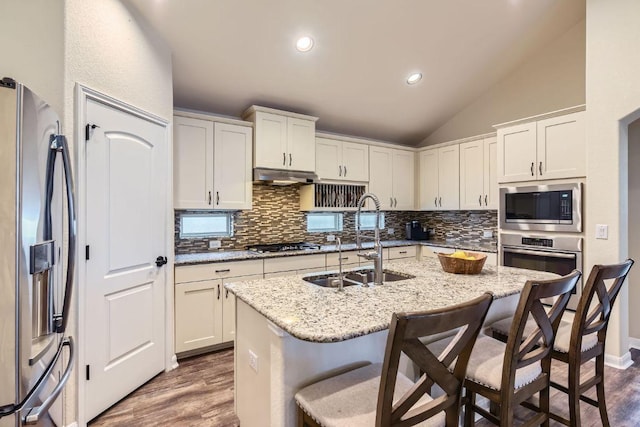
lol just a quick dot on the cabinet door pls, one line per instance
(270, 147)
(472, 175)
(301, 136)
(449, 177)
(517, 153)
(232, 182)
(381, 176)
(561, 147)
(403, 180)
(491, 192)
(229, 309)
(198, 311)
(192, 163)
(355, 161)
(428, 181)
(329, 158)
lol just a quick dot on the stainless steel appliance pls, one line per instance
(283, 247)
(36, 272)
(555, 254)
(555, 207)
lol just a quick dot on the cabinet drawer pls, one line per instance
(348, 258)
(402, 252)
(218, 270)
(430, 251)
(288, 263)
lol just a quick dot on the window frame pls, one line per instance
(227, 233)
(373, 227)
(338, 222)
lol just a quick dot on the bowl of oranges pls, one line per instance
(462, 262)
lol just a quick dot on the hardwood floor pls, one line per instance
(200, 393)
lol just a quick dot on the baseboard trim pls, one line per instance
(634, 343)
(622, 362)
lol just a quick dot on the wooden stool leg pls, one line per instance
(574, 395)
(544, 405)
(602, 403)
(468, 409)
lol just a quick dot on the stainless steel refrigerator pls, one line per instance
(37, 240)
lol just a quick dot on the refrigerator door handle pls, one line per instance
(32, 415)
(58, 143)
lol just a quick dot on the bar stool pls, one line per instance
(378, 395)
(584, 339)
(508, 374)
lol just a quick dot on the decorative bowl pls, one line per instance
(462, 265)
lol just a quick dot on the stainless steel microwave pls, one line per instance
(555, 207)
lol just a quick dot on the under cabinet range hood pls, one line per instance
(283, 176)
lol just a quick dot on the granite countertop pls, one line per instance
(207, 257)
(313, 313)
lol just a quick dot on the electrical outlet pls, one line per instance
(487, 233)
(253, 361)
(391, 231)
(331, 237)
(215, 244)
(602, 231)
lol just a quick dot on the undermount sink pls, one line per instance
(357, 277)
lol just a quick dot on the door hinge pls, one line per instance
(88, 372)
(86, 253)
(87, 130)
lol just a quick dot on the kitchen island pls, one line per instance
(290, 333)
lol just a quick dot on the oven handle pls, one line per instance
(546, 253)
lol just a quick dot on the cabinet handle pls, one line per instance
(217, 198)
(209, 197)
(218, 291)
(485, 200)
(290, 159)
(345, 170)
(540, 168)
(531, 168)
(344, 258)
(339, 170)
(226, 293)
(284, 159)
(390, 202)
(395, 204)
(480, 200)
(402, 252)
(226, 270)
(435, 201)
(440, 200)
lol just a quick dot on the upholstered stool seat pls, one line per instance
(350, 399)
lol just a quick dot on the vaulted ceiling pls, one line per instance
(230, 54)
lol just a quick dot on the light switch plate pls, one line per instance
(391, 231)
(602, 231)
(253, 360)
(331, 237)
(487, 233)
(215, 244)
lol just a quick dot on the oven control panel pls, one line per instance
(536, 241)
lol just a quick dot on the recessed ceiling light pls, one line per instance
(414, 78)
(304, 44)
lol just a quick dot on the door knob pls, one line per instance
(161, 260)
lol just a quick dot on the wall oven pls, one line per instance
(555, 254)
(555, 207)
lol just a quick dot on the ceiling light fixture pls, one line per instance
(414, 78)
(304, 44)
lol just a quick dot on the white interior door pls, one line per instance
(126, 164)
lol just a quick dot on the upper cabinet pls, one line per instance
(391, 177)
(478, 174)
(546, 148)
(439, 178)
(341, 160)
(282, 140)
(212, 164)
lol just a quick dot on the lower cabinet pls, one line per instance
(290, 265)
(401, 252)
(430, 251)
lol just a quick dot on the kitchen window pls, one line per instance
(367, 220)
(318, 222)
(197, 225)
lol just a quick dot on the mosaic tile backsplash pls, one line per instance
(276, 218)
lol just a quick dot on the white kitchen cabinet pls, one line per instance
(392, 177)
(401, 252)
(478, 174)
(350, 259)
(430, 252)
(212, 164)
(341, 160)
(283, 140)
(439, 178)
(290, 265)
(548, 148)
(204, 310)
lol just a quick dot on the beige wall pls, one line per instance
(634, 229)
(32, 47)
(613, 101)
(552, 79)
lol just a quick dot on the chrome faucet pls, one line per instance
(340, 275)
(376, 254)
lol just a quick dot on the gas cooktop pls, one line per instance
(283, 247)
